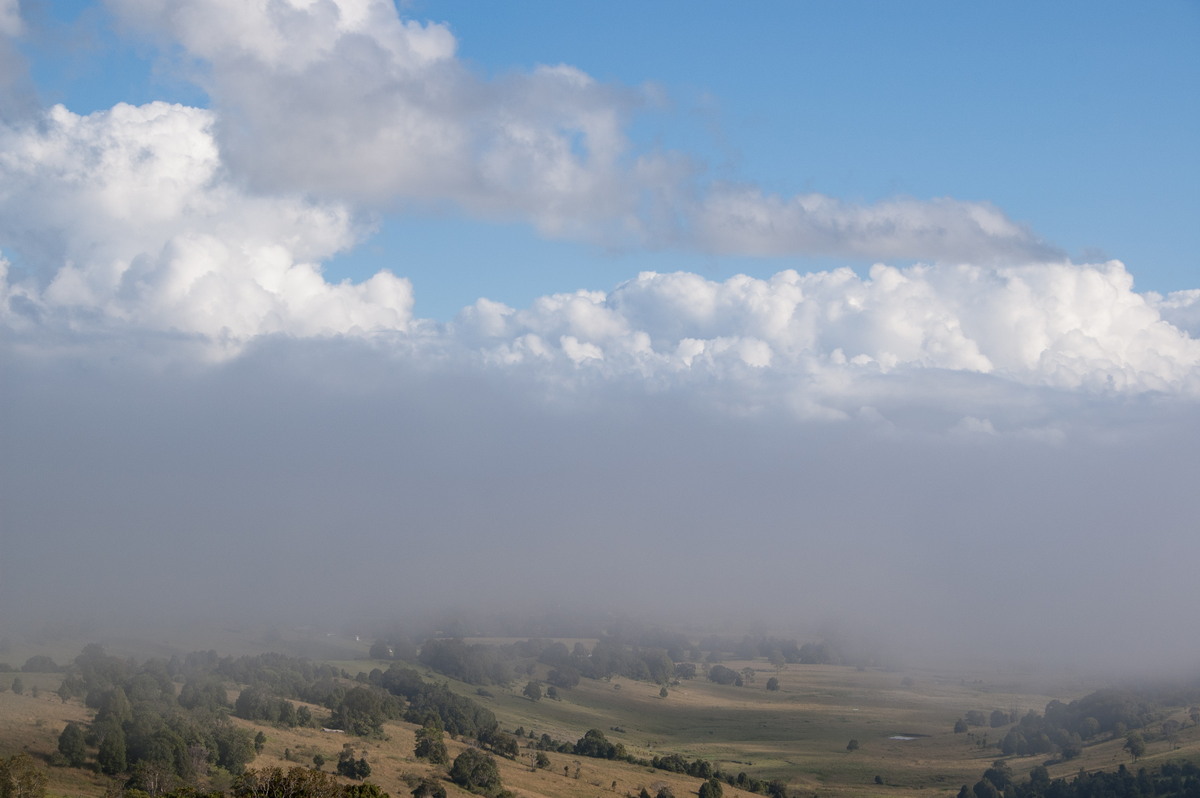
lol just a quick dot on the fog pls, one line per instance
(333, 484)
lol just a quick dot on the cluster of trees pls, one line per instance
(624, 649)
(596, 745)
(1172, 780)
(155, 737)
(674, 763)
(485, 664)
(359, 709)
(778, 651)
(476, 663)
(278, 675)
(457, 715)
(363, 709)
(142, 729)
(297, 782)
(1065, 728)
(257, 704)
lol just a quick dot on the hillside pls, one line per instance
(797, 734)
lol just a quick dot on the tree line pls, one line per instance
(1170, 780)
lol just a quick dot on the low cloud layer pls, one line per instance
(325, 481)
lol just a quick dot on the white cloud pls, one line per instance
(1059, 326)
(345, 98)
(138, 220)
(126, 219)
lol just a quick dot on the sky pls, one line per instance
(869, 313)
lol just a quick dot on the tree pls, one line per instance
(852, 745)
(722, 675)
(475, 771)
(564, 677)
(663, 692)
(72, 745)
(111, 753)
(532, 691)
(350, 767)
(985, 789)
(366, 790)
(711, 789)
(429, 788)
(502, 743)
(772, 684)
(430, 745)
(39, 663)
(594, 744)
(18, 686)
(235, 746)
(1135, 745)
(21, 777)
(960, 726)
(362, 711)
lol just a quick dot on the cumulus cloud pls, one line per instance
(346, 98)
(211, 225)
(127, 219)
(1059, 326)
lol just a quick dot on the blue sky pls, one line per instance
(903, 295)
(1075, 119)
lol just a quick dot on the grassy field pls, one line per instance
(798, 734)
